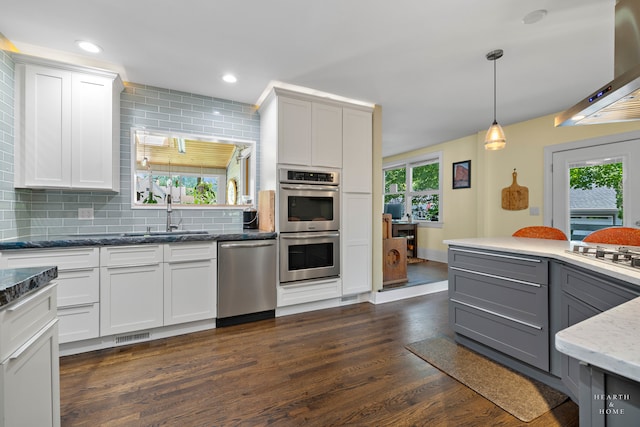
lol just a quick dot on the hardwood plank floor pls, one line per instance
(340, 366)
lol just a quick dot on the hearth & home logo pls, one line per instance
(612, 400)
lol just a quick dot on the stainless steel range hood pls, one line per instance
(619, 100)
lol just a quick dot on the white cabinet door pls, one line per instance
(47, 127)
(189, 291)
(30, 382)
(92, 132)
(326, 139)
(356, 243)
(357, 150)
(131, 298)
(67, 126)
(294, 131)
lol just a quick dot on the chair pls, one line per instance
(540, 232)
(615, 236)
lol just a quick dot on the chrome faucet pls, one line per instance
(170, 226)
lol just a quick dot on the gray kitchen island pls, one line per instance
(534, 304)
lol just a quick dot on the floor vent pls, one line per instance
(349, 298)
(133, 337)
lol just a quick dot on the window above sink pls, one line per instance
(195, 170)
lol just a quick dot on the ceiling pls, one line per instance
(422, 61)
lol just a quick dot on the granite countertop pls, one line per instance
(132, 238)
(608, 340)
(17, 282)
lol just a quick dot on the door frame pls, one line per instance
(549, 151)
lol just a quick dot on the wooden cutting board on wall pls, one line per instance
(515, 197)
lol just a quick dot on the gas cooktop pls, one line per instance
(624, 256)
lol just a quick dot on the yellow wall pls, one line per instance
(477, 212)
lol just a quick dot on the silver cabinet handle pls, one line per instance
(490, 254)
(494, 276)
(484, 310)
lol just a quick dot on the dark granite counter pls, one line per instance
(133, 238)
(16, 282)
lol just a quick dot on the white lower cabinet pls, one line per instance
(29, 367)
(150, 286)
(356, 239)
(131, 288)
(78, 300)
(115, 290)
(189, 282)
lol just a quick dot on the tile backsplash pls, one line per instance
(49, 213)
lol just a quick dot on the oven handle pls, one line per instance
(310, 187)
(298, 236)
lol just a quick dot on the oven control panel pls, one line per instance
(309, 177)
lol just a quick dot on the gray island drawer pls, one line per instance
(520, 267)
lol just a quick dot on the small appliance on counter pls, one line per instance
(250, 218)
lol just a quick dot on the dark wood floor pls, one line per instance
(341, 366)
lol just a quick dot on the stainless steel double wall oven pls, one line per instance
(309, 224)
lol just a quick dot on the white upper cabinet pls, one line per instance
(309, 133)
(294, 131)
(357, 150)
(67, 126)
(326, 135)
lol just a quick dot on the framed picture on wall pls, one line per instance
(462, 174)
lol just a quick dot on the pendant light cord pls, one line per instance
(494, 91)
(494, 55)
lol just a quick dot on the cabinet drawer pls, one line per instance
(174, 252)
(601, 294)
(30, 382)
(527, 343)
(519, 267)
(309, 292)
(78, 287)
(524, 301)
(130, 255)
(22, 319)
(79, 323)
(65, 259)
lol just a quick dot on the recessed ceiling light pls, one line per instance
(88, 46)
(229, 78)
(535, 16)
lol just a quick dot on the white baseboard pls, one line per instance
(408, 292)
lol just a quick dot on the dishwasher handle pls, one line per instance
(247, 244)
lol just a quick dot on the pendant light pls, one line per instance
(495, 139)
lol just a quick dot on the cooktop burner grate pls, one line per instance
(625, 256)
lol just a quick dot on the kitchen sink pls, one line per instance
(164, 233)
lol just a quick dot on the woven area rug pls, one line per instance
(521, 396)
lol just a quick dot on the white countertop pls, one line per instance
(609, 340)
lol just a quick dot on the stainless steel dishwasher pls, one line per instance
(246, 281)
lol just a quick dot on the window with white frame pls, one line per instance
(413, 188)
